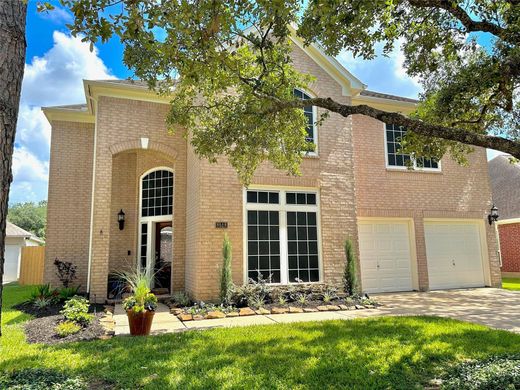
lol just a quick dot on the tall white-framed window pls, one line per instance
(397, 160)
(282, 235)
(156, 188)
(311, 113)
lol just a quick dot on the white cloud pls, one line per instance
(27, 167)
(53, 79)
(384, 73)
(56, 78)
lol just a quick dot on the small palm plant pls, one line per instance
(141, 305)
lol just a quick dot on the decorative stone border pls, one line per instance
(248, 311)
(108, 323)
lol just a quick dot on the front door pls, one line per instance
(163, 255)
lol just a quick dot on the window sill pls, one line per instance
(433, 171)
(311, 155)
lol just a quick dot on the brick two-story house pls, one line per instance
(414, 229)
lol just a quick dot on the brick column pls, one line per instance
(420, 243)
(101, 225)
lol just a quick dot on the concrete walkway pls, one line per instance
(488, 306)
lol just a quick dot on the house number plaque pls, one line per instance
(221, 225)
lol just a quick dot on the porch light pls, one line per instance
(493, 215)
(121, 219)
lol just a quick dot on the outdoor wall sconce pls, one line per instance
(121, 219)
(493, 215)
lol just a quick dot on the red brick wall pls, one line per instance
(510, 246)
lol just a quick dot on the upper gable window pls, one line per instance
(396, 159)
(310, 114)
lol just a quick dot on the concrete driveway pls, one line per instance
(493, 307)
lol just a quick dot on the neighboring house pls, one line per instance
(15, 239)
(417, 229)
(505, 183)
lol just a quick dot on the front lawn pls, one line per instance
(392, 352)
(511, 284)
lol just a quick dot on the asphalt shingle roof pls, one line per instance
(15, 231)
(380, 95)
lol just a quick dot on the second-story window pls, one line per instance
(396, 159)
(309, 112)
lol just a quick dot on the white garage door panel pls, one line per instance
(12, 252)
(454, 256)
(385, 256)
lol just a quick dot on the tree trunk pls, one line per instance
(12, 62)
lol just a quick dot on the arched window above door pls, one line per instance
(157, 193)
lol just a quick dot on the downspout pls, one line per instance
(499, 251)
(93, 101)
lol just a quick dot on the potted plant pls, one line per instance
(141, 304)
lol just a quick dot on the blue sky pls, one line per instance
(56, 63)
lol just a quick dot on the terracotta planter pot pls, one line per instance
(140, 323)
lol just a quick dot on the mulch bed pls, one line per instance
(29, 308)
(51, 310)
(41, 330)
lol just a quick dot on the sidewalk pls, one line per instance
(492, 307)
(164, 322)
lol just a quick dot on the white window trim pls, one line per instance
(282, 207)
(413, 168)
(150, 221)
(314, 127)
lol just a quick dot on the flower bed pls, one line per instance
(262, 299)
(63, 318)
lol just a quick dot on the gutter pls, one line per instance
(91, 235)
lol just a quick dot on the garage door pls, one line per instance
(12, 253)
(384, 248)
(454, 255)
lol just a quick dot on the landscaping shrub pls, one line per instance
(350, 282)
(329, 295)
(44, 291)
(76, 310)
(226, 280)
(180, 299)
(41, 302)
(496, 373)
(65, 271)
(40, 379)
(66, 293)
(252, 292)
(67, 328)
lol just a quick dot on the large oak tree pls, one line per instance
(228, 68)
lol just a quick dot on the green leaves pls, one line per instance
(227, 66)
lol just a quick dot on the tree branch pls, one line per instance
(414, 125)
(458, 12)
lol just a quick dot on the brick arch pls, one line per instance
(134, 144)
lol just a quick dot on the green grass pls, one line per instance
(382, 353)
(511, 284)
